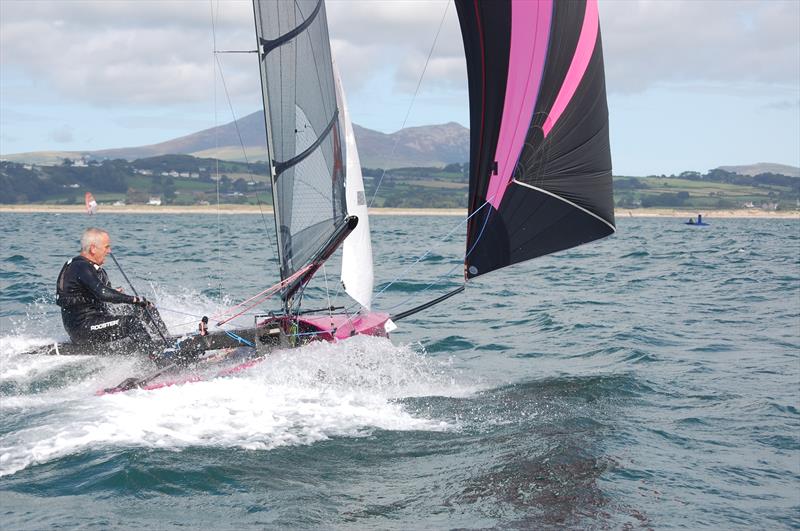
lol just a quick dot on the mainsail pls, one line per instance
(540, 161)
(304, 134)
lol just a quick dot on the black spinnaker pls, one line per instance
(540, 161)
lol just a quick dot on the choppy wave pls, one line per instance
(298, 397)
(647, 380)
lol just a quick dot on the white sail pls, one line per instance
(357, 276)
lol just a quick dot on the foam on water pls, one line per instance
(295, 397)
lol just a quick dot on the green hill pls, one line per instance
(185, 180)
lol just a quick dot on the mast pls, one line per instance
(265, 99)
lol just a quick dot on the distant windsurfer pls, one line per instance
(83, 292)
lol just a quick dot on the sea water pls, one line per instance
(649, 380)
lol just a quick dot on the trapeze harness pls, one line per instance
(82, 291)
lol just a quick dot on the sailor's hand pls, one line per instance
(120, 289)
(141, 301)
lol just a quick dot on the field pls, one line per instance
(186, 180)
(632, 192)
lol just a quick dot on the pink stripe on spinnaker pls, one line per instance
(580, 61)
(525, 69)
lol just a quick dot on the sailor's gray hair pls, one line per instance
(91, 236)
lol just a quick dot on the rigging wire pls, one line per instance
(394, 148)
(261, 297)
(438, 279)
(426, 253)
(435, 282)
(413, 99)
(216, 149)
(441, 277)
(460, 263)
(241, 142)
(327, 293)
(217, 67)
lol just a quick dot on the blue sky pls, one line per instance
(692, 84)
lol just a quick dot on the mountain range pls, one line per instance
(429, 145)
(423, 146)
(763, 167)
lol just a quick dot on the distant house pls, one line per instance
(155, 201)
(134, 197)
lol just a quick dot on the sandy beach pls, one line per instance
(252, 209)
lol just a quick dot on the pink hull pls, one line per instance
(312, 328)
(334, 327)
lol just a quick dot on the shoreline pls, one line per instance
(252, 209)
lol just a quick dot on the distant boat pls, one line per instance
(698, 223)
(91, 204)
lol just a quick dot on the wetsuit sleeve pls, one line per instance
(92, 281)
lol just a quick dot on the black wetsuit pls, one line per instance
(82, 291)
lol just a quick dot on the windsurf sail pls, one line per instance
(91, 204)
(540, 161)
(357, 272)
(305, 137)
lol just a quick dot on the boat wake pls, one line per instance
(295, 397)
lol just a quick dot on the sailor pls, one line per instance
(83, 292)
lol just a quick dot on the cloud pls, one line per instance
(131, 53)
(651, 43)
(159, 53)
(647, 43)
(399, 35)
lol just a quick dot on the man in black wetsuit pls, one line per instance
(83, 291)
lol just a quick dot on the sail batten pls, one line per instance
(271, 44)
(540, 159)
(281, 166)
